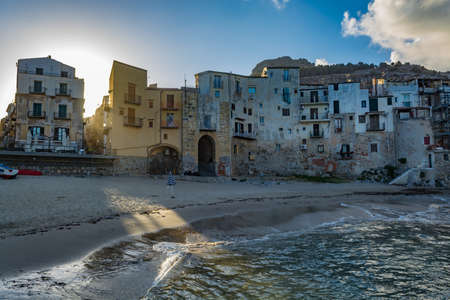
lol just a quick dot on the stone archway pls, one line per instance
(163, 159)
(206, 156)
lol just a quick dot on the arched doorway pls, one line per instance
(163, 159)
(206, 156)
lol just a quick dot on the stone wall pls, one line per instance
(130, 166)
(442, 167)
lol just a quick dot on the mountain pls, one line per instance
(361, 72)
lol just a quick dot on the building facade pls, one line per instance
(47, 113)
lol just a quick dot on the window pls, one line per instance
(280, 129)
(150, 123)
(389, 101)
(426, 140)
(233, 107)
(275, 90)
(286, 112)
(373, 147)
(350, 118)
(217, 82)
(150, 103)
(62, 111)
(250, 111)
(406, 100)
(362, 119)
(336, 106)
(170, 101)
(249, 127)
(64, 74)
(252, 90)
(314, 96)
(63, 88)
(165, 136)
(36, 131)
(37, 86)
(39, 71)
(277, 147)
(290, 131)
(301, 94)
(338, 125)
(131, 91)
(217, 94)
(261, 120)
(304, 141)
(286, 76)
(320, 148)
(270, 74)
(235, 149)
(260, 105)
(245, 110)
(316, 130)
(238, 87)
(314, 113)
(325, 93)
(295, 91)
(250, 156)
(336, 86)
(37, 109)
(363, 103)
(279, 107)
(286, 95)
(61, 133)
(445, 156)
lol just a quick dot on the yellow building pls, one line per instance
(142, 121)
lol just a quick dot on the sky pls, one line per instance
(175, 39)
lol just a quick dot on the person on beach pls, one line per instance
(171, 185)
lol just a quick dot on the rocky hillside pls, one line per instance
(354, 72)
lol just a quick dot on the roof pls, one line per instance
(229, 73)
(127, 65)
(282, 67)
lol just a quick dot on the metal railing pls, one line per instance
(36, 114)
(61, 116)
(315, 117)
(132, 99)
(63, 92)
(34, 90)
(245, 135)
(168, 107)
(132, 122)
(375, 127)
(169, 125)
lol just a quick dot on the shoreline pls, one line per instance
(250, 215)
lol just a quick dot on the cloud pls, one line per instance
(321, 62)
(280, 4)
(416, 31)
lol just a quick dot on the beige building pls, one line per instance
(47, 113)
(141, 120)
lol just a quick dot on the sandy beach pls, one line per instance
(46, 221)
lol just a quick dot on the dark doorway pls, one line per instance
(206, 156)
(161, 160)
(336, 106)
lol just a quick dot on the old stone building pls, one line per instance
(47, 113)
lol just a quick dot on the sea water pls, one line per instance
(391, 254)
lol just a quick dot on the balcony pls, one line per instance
(307, 101)
(375, 127)
(61, 116)
(316, 134)
(322, 117)
(169, 125)
(132, 122)
(36, 114)
(245, 135)
(38, 91)
(132, 99)
(170, 107)
(63, 92)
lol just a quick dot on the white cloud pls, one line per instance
(280, 4)
(321, 62)
(416, 31)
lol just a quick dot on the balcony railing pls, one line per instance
(132, 99)
(245, 135)
(35, 90)
(36, 114)
(63, 92)
(169, 125)
(315, 117)
(316, 134)
(170, 107)
(132, 122)
(375, 127)
(307, 101)
(60, 116)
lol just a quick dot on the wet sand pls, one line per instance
(48, 221)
